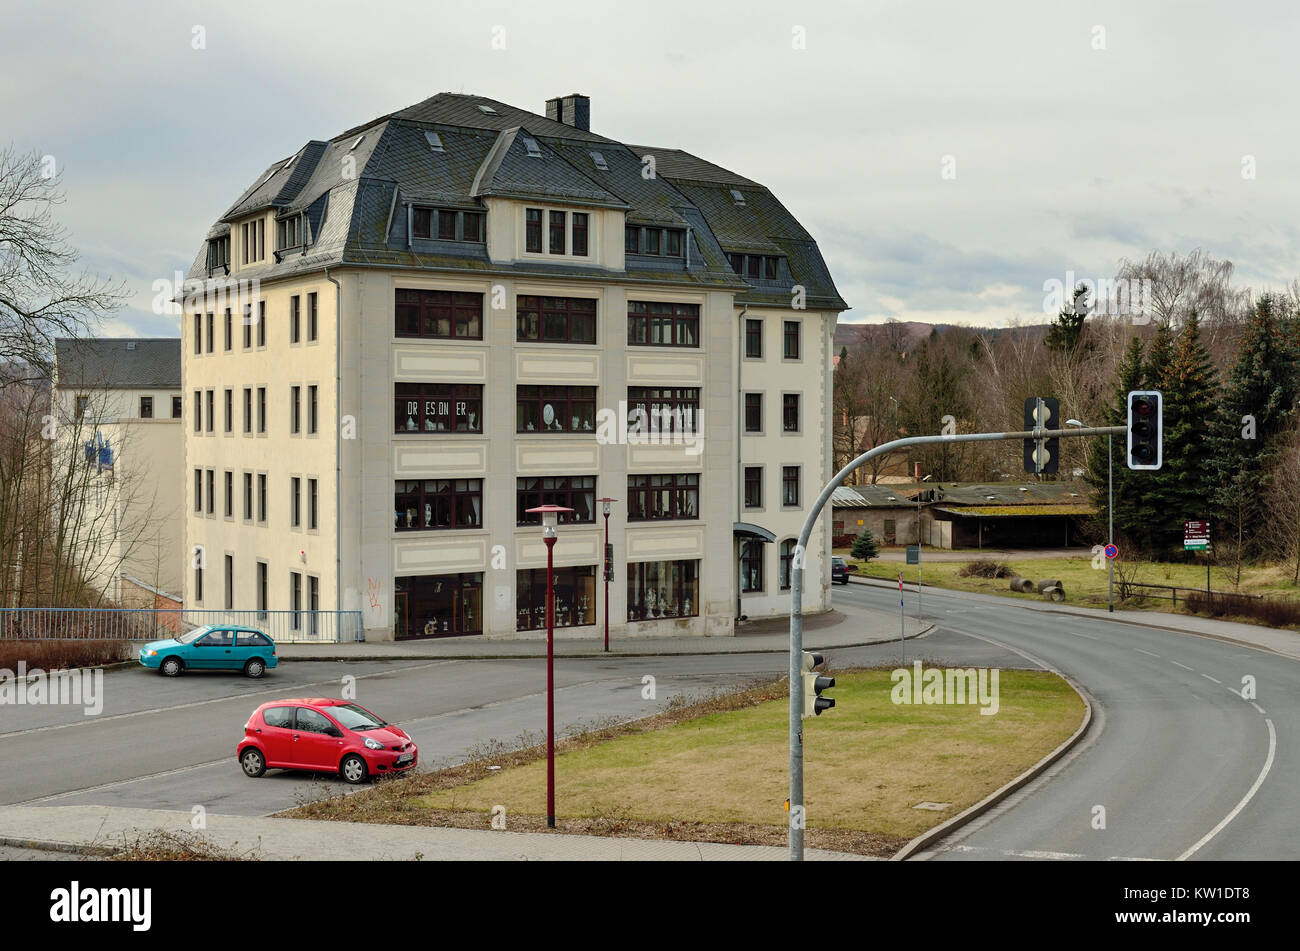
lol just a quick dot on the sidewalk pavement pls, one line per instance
(845, 626)
(34, 827)
(1286, 643)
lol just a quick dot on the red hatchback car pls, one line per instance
(323, 735)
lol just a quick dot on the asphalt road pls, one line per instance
(1180, 762)
(169, 744)
(1183, 766)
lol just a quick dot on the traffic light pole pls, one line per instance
(1110, 525)
(797, 815)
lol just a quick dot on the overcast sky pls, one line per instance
(1067, 157)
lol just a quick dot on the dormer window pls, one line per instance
(422, 223)
(288, 234)
(486, 109)
(737, 197)
(252, 241)
(447, 224)
(531, 145)
(219, 254)
(599, 161)
(434, 140)
(667, 242)
(566, 233)
(756, 266)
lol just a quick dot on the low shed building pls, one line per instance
(948, 515)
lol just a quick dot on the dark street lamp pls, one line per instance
(609, 566)
(550, 522)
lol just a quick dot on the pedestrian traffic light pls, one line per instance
(813, 685)
(1042, 455)
(1144, 430)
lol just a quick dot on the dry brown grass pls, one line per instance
(161, 845)
(61, 654)
(717, 771)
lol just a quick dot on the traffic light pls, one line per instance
(1042, 455)
(813, 684)
(1144, 430)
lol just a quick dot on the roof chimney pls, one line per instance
(573, 110)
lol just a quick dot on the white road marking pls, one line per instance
(1088, 636)
(1037, 854)
(1211, 679)
(1250, 793)
(1148, 653)
(1184, 666)
(90, 721)
(1257, 707)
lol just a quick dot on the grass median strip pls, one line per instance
(717, 770)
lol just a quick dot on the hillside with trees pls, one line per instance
(1224, 357)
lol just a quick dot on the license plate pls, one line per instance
(406, 757)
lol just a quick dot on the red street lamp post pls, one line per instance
(550, 522)
(609, 566)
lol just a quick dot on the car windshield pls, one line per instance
(194, 635)
(355, 718)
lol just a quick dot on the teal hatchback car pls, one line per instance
(213, 647)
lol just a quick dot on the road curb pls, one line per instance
(50, 845)
(942, 830)
(929, 628)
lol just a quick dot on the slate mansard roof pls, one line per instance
(355, 187)
(119, 363)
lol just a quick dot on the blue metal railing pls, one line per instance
(146, 624)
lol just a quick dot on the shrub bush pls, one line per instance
(1270, 611)
(62, 654)
(985, 568)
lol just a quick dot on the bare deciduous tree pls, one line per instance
(42, 294)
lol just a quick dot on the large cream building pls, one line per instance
(463, 310)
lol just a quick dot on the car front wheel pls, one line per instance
(255, 668)
(354, 769)
(170, 667)
(253, 762)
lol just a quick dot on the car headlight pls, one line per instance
(153, 653)
(373, 744)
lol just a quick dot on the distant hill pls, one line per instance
(906, 334)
